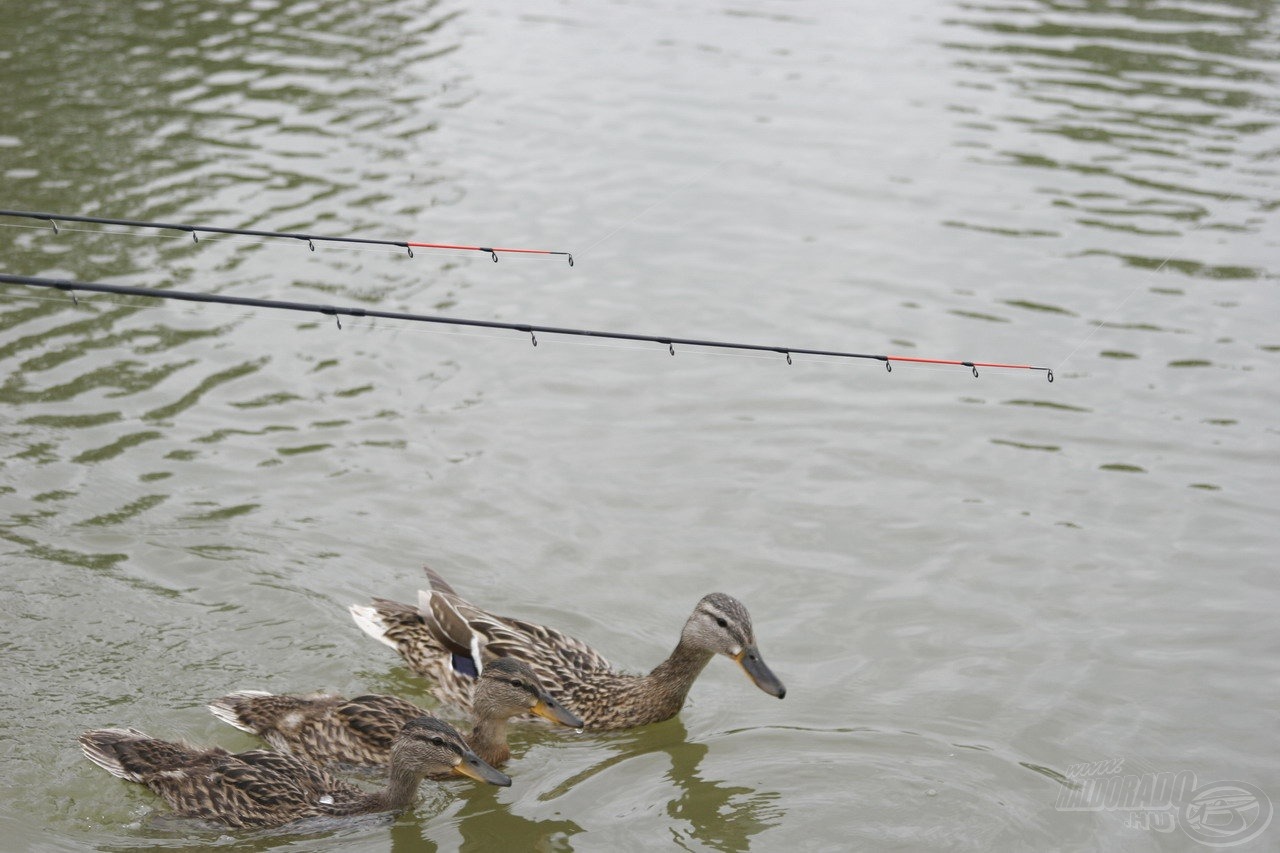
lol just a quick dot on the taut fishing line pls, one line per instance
(1134, 289)
(1112, 313)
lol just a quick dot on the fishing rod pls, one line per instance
(530, 329)
(311, 239)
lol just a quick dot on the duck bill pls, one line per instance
(473, 768)
(751, 662)
(550, 709)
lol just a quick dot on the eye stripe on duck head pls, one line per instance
(436, 732)
(729, 614)
(513, 672)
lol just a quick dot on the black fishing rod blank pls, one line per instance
(533, 330)
(310, 239)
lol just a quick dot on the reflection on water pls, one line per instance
(238, 114)
(1159, 113)
(406, 837)
(705, 812)
(267, 114)
(485, 823)
(161, 106)
(710, 812)
(721, 816)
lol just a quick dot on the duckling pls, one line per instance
(329, 729)
(451, 641)
(264, 788)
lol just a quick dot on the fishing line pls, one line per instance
(1110, 314)
(1136, 285)
(533, 330)
(310, 239)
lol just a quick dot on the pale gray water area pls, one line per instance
(970, 587)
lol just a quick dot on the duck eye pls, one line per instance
(438, 741)
(517, 683)
(720, 621)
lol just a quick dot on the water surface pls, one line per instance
(970, 586)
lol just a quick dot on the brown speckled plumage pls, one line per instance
(322, 728)
(262, 788)
(329, 729)
(445, 627)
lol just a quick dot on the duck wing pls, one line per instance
(278, 774)
(438, 583)
(257, 788)
(480, 636)
(374, 720)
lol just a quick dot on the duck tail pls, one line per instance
(371, 621)
(103, 748)
(232, 709)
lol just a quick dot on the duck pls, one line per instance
(450, 641)
(328, 729)
(267, 788)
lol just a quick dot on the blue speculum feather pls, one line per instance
(464, 666)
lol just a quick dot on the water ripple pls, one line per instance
(1149, 100)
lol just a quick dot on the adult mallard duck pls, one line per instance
(451, 641)
(329, 729)
(262, 788)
